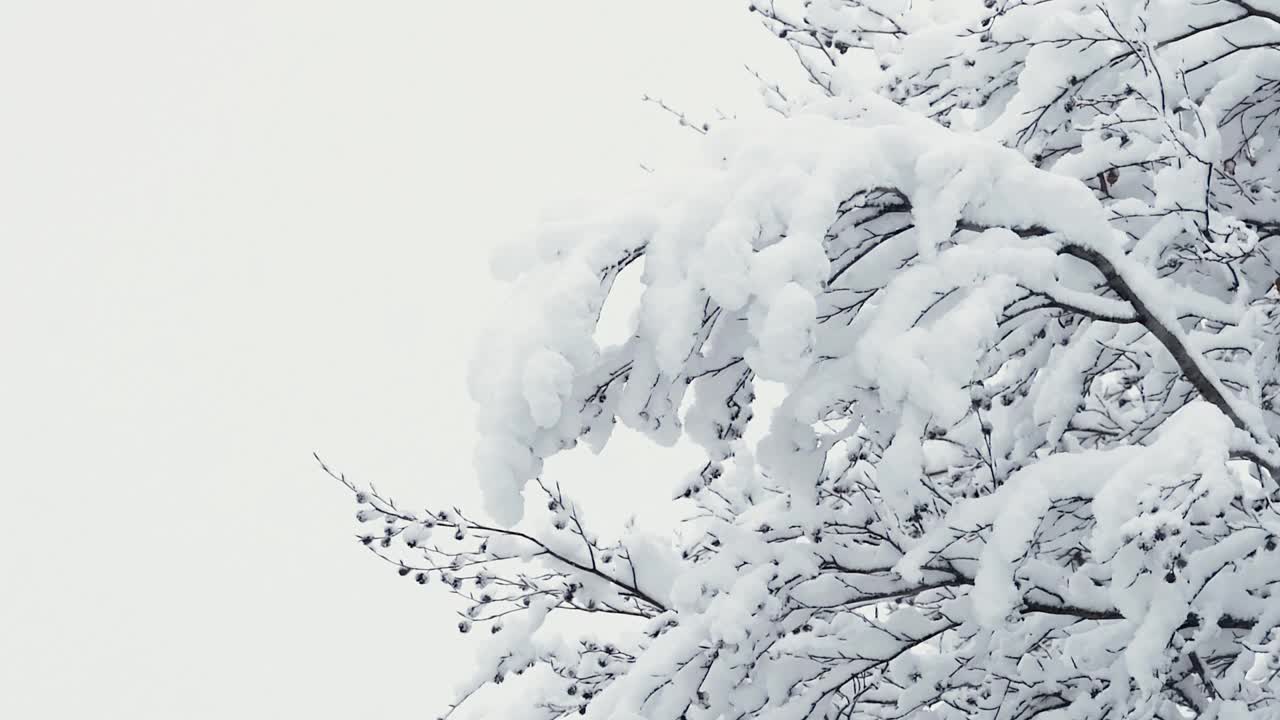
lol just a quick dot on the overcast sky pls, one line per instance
(232, 233)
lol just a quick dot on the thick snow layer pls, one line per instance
(1014, 289)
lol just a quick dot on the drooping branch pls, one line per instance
(1192, 363)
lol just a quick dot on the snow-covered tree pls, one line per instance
(1009, 262)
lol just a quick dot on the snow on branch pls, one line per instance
(1011, 264)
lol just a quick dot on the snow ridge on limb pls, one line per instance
(827, 159)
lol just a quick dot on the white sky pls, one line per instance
(232, 233)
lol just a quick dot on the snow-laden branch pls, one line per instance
(1010, 265)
